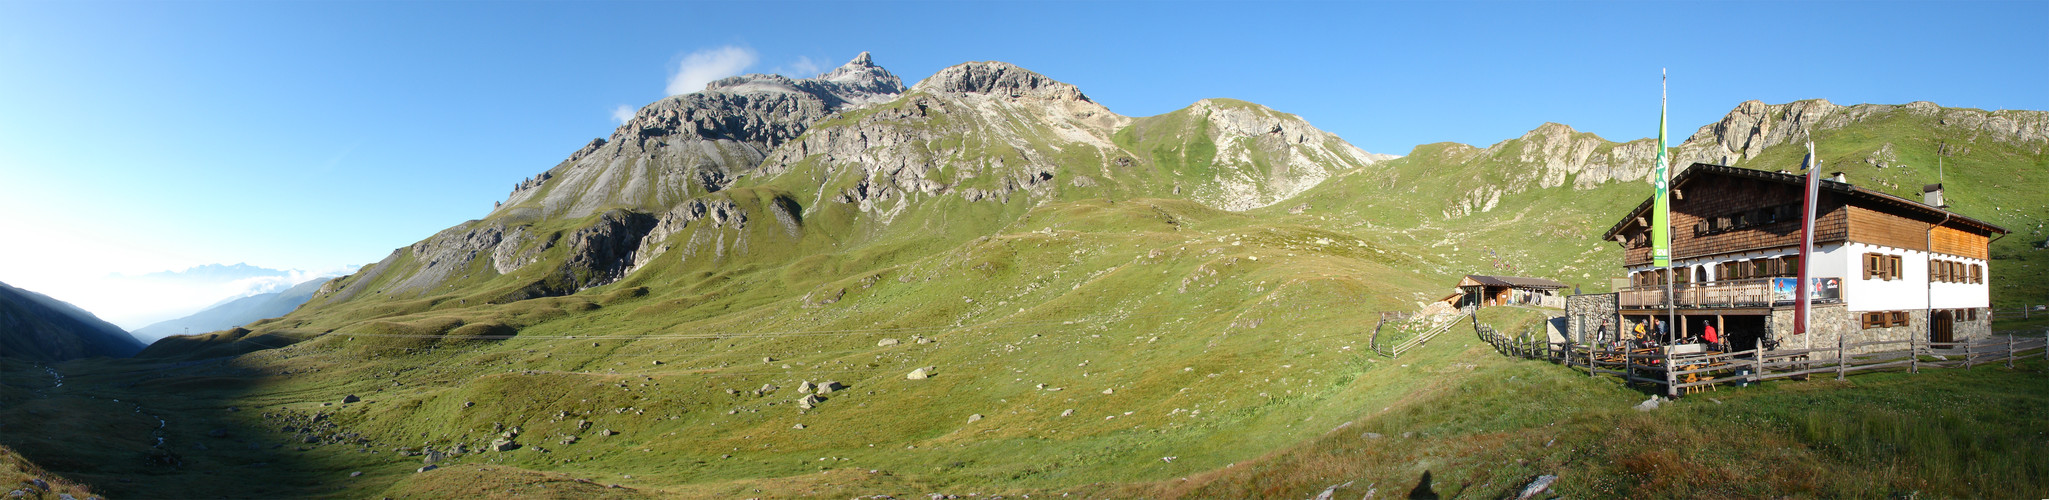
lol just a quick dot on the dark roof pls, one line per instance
(1514, 281)
(1842, 188)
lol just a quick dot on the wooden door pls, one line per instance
(1944, 325)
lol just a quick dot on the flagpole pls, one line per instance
(1664, 196)
(1801, 291)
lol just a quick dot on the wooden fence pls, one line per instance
(2022, 312)
(1680, 373)
(1401, 321)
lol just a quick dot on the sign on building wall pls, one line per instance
(1824, 289)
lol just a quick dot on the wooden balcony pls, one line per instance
(1757, 292)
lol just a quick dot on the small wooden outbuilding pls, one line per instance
(1480, 290)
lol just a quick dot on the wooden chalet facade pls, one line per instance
(1885, 268)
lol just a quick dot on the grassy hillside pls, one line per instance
(1110, 339)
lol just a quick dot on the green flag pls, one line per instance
(1661, 207)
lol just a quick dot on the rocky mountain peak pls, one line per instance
(863, 75)
(1000, 79)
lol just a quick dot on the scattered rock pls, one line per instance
(1537, 487)
(806, 387)
(1648, 404)
(1108, 391)
(918, 374)
(798, 426)
(425, 469)
(767, 360)
(608, 432)
(885, 342)
(768, 388)
(467, 404)
(809, 401)
(350, 399)
(1068, 413)
(433, 456)
(356, 474)
(829, 387)
(568, 440)
(974, 417)
(502, 444)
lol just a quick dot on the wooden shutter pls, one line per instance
(1870, 265)
(1892, 268)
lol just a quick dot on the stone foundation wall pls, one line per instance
(1834, 321)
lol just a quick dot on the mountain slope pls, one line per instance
(1088, 301)
(235, 312)
(38, 328)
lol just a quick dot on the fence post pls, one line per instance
(1967, 355)
(1841, 359)
(1757, 364)
(1671, 378)
(1913, 355)
(2009, 351)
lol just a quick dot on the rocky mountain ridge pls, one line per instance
(1555, 155)
(853, 140)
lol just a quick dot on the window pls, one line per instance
(1881, 266)
(1884, 319)
(1977, 274)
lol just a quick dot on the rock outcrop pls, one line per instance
(696, 143)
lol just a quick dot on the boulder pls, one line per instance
(830, 386)
(425, 469)
(974, 417)
(1537, 487)
(503, 444)
(809, 401)
(1648, 404)
(798, 426)
(885, 342)
(350, 399)
(608, 432)
(806, 387)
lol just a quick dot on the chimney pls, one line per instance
(1931, 195)
(1838, 177)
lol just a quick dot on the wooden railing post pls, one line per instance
(1671, 378)
(1967, 355)
(1841, 359)
(1757, 364)
(2009, 351)
(1913, 355)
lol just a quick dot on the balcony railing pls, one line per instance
(1759, 292)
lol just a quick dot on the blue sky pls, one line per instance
(140, 137)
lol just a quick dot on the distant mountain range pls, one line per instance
(235, 312)
(36, 327)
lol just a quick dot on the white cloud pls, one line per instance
(622, 114)
(803, 67)
(704, 66)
